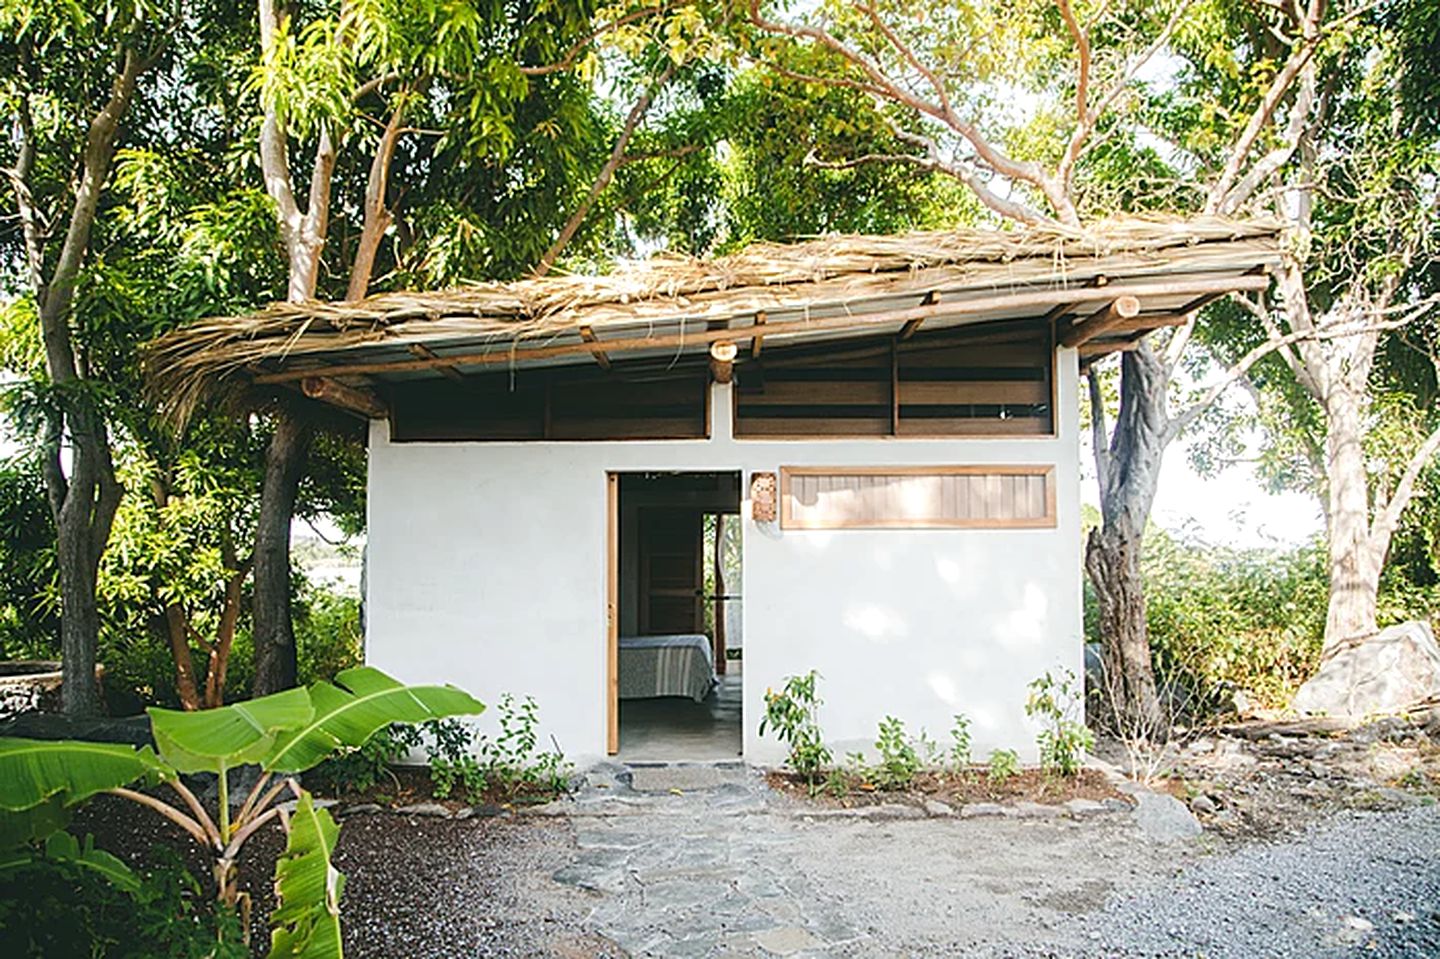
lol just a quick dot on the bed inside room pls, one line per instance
(680, 637)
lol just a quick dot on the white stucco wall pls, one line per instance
(487, 570)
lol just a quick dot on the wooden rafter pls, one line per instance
(859, 321)
(1103, 320)
(601, 357)
(759, 338)
(350, 398)
(445, 368)
(912, 326)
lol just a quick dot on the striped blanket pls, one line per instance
(666, 666)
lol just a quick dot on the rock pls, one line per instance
(432, 809)
(556, 808)
(1116, 805)
(1084, 808)
(1358, 923)
(1035, 810)
(786, 940)
(1164, 818)
(935, 807)
(361, 809)
(974, 810)
(1397, 668)
(894, 811)
(290, 804)
(1403, 918)
(486, 810)
(1203, 805)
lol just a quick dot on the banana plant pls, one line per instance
(284, 734)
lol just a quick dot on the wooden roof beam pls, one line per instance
(601, 357)
(447, 369)
(350, 398)
(759, 338)
(980, 306)
(1103, 320)
(1098, 348)
(911, 326)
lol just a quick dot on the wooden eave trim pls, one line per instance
(588, 335)
(1011, 301)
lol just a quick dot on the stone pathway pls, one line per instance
(687, 869)
(707, 861)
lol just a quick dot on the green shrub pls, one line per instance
(509, 765)
(1064, 738)
(50, 908)
(360, 770)
(793, 714)
(899, 760)
(1004, 764)
(327, 632)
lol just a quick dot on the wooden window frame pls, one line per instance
(897, 433)
(1046, 470)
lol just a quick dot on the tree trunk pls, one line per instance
(79, 617)
(1355, 559)
(275, 665)
(1113, 563)
(1129, 473)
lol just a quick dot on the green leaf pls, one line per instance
(363, 700)
(214, 739)
(307, 921)
(22, 827)
(63, 847)
(34, 770)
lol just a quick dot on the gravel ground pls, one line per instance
(738, 870)
(1363, 884)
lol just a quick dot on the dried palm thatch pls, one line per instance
(222, 356)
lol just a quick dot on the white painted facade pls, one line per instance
(487, 569)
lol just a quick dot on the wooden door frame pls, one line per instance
(612, 612)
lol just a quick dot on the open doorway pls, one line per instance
(676, 621)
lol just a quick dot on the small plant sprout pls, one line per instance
(794, 716)
(1064, 738)
(899, 760)
(1004, 764)
(960, 758)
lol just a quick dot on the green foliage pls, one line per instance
(1064, 738)
(509, 765)
(899, 760)
(360, 770)
(306, 921)
(34, 771)
(56, 907)
(794, 716)
(286, 732)
(29, 623)
(960, 757)
(1004, 764)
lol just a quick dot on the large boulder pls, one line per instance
(1393, 671)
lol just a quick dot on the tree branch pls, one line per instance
(568, 60)
(607, 172)
(1388, 517)
(377, 214)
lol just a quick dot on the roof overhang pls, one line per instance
(1098, 302)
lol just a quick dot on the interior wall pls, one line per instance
(487, 570)
(633, 498)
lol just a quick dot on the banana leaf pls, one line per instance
(362, 700)
(34, 770)
(306, 923)
(19, 828)
(63, 847)
(213, 740)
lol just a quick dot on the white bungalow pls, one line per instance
(648, 497)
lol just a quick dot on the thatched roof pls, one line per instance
(828, 288)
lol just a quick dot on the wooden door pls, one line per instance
(672, 575)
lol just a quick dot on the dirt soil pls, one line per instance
(1262, 780)
(414, 886)
(1029, 785)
